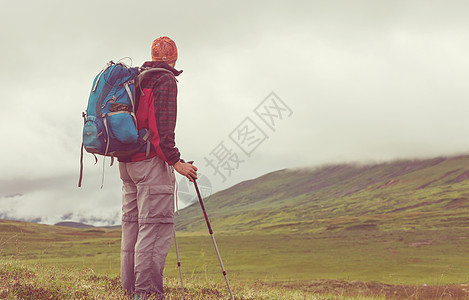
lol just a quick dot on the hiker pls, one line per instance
(148, 181)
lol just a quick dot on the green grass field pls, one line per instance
(360, 262)
(392, 230)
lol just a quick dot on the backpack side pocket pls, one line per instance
(93, 136)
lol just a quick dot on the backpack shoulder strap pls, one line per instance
(145, 72)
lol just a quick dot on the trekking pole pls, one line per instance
(179, 263)
(211, 234)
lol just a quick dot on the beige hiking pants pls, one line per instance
(147, 224)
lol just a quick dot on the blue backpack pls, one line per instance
(110, 124)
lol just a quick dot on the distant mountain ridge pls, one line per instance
(73, 225)
(80, 225)
(394, 195)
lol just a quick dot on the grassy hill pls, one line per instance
(416, 194)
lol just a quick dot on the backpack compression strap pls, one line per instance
(81, 166)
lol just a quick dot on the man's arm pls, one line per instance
(166, 114)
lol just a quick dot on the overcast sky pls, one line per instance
(353, 81)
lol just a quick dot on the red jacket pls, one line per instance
(156, 110)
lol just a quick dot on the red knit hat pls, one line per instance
(164, 49)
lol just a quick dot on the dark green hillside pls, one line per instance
(422, 194)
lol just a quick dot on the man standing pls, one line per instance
(148, 181)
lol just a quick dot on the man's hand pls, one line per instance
(186, 169)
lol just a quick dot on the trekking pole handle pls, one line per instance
(189, 162)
